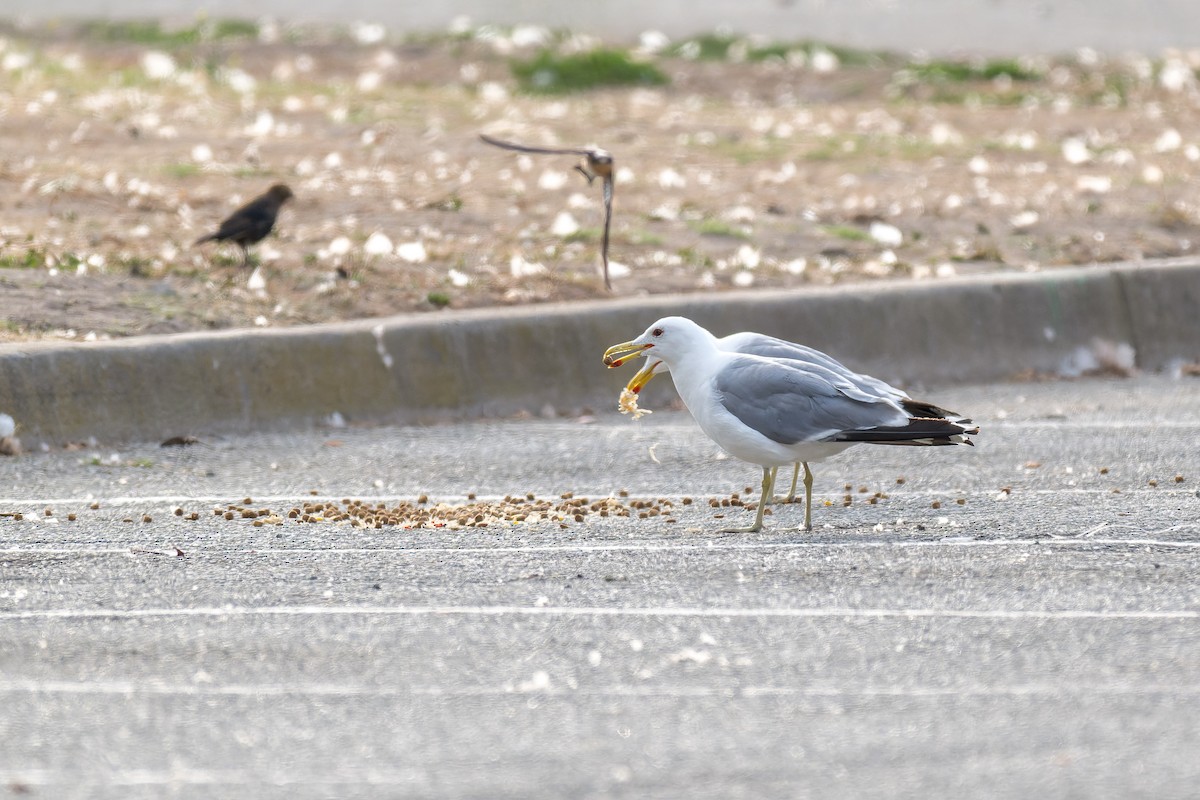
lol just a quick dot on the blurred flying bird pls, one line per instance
(596, 163)
(252, 222)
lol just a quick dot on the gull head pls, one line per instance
(664, 342)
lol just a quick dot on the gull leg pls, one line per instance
(792, 492)
(768, 485)
(808, 482)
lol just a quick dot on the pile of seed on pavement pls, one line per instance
(510, 510)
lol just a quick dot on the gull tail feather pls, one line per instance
(920, 431)
(920, 408)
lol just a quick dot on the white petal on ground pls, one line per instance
(943, 133)
(530, 36)
(1095, 184)
(412, 252)
(202, 154)
(340, 246)
(564, 225)
(1076, 151)
(1176, 75)
(743, 279)
(1152, 174)
(824, 61)
(670, 179)
(979, 166)
(256, 282)
(263, 124)
(740, 214)
(748, 257)
(521, 268)
(618, 270)
(552, 179)
(377, 244)
(368, 81)
(368, 32)
(7, 426)
(1168, 140)
(239, 80)
(653, 41)
(157, 65)
(1023, 220)
(457, 278)
(493, 93)
(797, 266)
(885, 234)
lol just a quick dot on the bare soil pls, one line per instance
(115, 156)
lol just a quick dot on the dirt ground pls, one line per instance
(803, 169)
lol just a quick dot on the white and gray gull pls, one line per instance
(773, 402)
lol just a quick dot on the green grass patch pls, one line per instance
(965, 71)
(716, 227)
(718, 47)
(152, 33)
(584, 235)
(182, 169)
(645, 238)
(847, 232)
(550, 73)
(438, 299)
(31, 258)
(706, 47)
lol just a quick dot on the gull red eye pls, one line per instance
(656, 332)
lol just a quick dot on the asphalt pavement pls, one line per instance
(1040, 638)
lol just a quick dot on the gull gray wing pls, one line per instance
(789, 403)
(757, 344)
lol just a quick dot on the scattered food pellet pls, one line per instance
(1152, 483)
(95, 505)
(1032, 464)
(70, 517)
(900, 480)
(1179, 479)
(147, 518)
(49, 512)
(1104, 470)
(936, 504)
(178, 511)
(246, 501)
(962, 501)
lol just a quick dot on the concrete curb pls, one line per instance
(495, 362)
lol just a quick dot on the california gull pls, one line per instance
(774, 411)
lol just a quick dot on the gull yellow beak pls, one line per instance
(618, 354)
(643, 376)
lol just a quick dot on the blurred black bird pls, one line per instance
(596, 163)
(252, 222)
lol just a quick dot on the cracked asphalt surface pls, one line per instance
(1038, 639)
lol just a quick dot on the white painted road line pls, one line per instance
(592, 611)
(224, 500)
(150, 688)
(623, 547)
